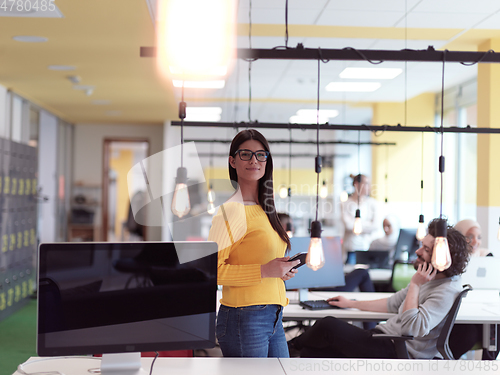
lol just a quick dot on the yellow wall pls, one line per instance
(488, 116)
(404, 159)
(121, 165)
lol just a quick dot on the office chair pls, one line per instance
(401, 275)
(442, 342)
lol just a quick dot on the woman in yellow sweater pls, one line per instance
(252, 245)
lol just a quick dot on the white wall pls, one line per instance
(47, 176)
(88, 154)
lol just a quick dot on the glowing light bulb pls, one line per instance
(180, 201)
(421, 229)
(344, 196)
(323, 192)
(441, 257)
(210, 208)
(283, 192)
(211, 194)
(315, 255)
(358, 227)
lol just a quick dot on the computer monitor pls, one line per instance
(330, 275)
(98, 298)
(407, 242)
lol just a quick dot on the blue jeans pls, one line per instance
(251, 331)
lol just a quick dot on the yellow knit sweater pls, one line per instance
(246, 240)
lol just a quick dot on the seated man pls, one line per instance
(421, 311)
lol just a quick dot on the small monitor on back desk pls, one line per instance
(330, 275)
(407, 242)
(374, 258)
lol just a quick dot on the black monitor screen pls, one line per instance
(330, 275)
(126, 297)
(407, 242)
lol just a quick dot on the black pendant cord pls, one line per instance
(182, 115)
(359, 166)
(289, 192)
(422, 178)
(441, 158)
(211, 164)
(406, 62)
(250, 62)
(386, 173)
(317, 138)
(286, 24)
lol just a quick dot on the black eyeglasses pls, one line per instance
(246, 155)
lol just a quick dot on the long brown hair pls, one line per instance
(266, 190)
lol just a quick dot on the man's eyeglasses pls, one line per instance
(246, 155)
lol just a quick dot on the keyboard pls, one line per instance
(320, 304)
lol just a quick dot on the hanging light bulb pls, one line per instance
(358, 227)
(344, 196)
(211, 194)
(289, 231)
(441, 257)
(180, 201)
(323, 192)
(315, 255)
(210, 208)
(421, 229)
(283, 192)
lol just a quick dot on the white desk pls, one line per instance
(273, 366)
(295, 312)
(479, 307)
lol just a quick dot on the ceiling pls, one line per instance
(101, 40)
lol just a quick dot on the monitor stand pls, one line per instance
(122, 364)
(303, 294)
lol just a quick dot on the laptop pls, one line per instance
(374, 258)
(482, 273)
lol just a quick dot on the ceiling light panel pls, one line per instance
(203, 113)
(353, 86)
(370, 73)
(30, 38)
(61, 67)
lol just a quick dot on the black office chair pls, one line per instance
(442, 342)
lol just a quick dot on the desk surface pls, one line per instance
(270, 366)
(479, 307)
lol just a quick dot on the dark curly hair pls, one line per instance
(460, 248)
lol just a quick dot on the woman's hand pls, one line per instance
(279, 267)
(289, 274)
(425, 273)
